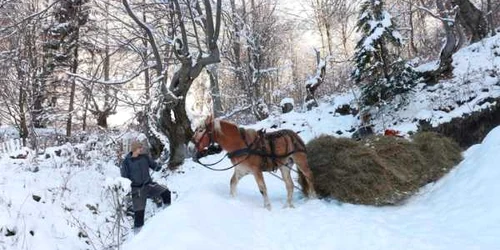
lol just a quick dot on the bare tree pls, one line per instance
(173, 120)
(334, 20)
(472, 19)
(314, 82)
(21, 63)
(453, 41)
(253, 53)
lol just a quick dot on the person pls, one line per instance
(366, 128)
(135, 167)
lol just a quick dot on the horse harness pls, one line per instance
(257, 147)
(264, 145)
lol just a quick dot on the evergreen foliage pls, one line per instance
(379, 70)
(62, 35)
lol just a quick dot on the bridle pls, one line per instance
(212, 148)
(211, 140)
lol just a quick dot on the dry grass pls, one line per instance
(379, 170)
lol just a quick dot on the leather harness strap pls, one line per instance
(262, 138)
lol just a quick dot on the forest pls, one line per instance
(73, 65)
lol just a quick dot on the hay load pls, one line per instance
(380, 170)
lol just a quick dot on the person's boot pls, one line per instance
(166, 197)
(137, 230)
(138, 219)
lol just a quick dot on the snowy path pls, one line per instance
(462, 211)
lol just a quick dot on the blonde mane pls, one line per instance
(217, 126)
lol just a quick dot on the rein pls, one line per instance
(219, 169)
(213, 149)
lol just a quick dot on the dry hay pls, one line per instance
(379, 170)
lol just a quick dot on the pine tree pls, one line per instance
(382, 74)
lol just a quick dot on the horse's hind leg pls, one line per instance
(237, 175)
(287, 178)
(259, 178)
(301, 160)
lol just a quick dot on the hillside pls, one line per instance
(458, 212)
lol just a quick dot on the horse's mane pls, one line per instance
(218, 123)
(217, 126)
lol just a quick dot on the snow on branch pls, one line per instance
(28, 17)
(437, 16)
(109, 82)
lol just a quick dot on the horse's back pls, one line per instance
(286, 137)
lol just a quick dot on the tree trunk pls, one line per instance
(74, 68)
(86, 109)
(69, 122)
(176, 125)
(214, 90)
(450, 47)
(311, 88)
(23, 126)
(328, 37)
(490, 18)
(102, 115)
(472, 19)
(412, 48)
(102, 119)
(236, 47)
(37, 111)
(145, 55)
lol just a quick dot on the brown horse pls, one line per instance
(254, 151)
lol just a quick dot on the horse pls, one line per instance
(255, 152)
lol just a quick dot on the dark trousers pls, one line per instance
(139, 196)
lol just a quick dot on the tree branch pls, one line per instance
(151, 39)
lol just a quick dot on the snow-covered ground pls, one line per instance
(461, 211)
(60, 202)
(476, 79)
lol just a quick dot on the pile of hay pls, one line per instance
(379, 170)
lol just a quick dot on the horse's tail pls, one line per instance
(303, 183)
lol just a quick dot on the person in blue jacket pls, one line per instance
(135, 167)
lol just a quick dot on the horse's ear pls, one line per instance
(209, 120)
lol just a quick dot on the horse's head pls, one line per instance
(203, 135)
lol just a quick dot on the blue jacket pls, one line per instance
(136, 169)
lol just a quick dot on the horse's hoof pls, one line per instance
(268, 207)
(232, 193)
(288, 206)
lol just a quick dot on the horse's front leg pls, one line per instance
(259, 178)
(237, 175)
(287, 178)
